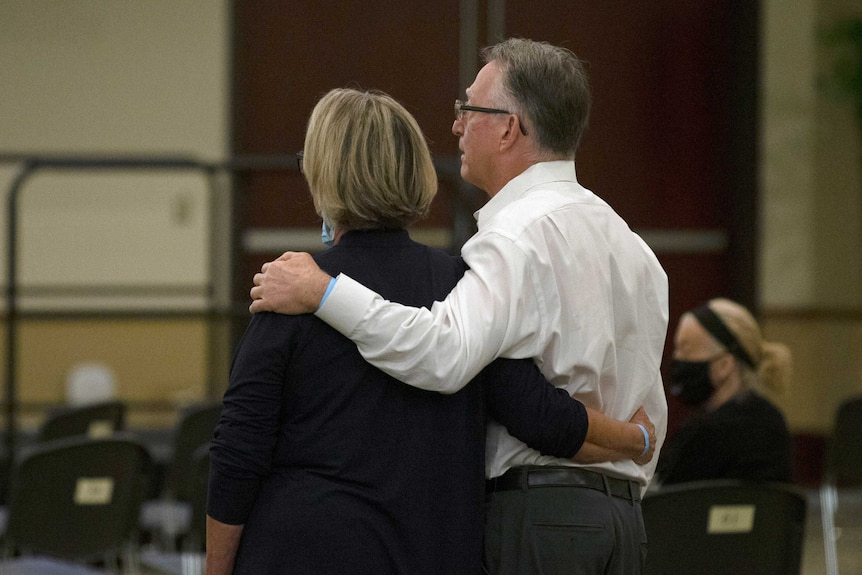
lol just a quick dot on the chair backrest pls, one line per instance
(94, 421)
(195, 428)
(77, 498)
(844, 458)
(724, 527)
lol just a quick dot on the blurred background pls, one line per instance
(147, 170)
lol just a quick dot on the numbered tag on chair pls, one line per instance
(100, 428)
(730, 519)
(94, 490)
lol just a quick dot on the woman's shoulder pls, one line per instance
(757, 403)
(749, 411)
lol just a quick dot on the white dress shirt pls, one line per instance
(555, 275)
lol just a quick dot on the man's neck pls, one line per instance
(506, 173)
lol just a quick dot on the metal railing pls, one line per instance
(28, 165)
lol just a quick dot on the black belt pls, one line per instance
(527, 477)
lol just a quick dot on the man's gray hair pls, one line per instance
(550, 88)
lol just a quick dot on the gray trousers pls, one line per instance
(563, 531)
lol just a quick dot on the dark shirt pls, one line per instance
(744, 438)
(335, 467)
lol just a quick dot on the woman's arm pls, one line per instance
(544, 417)
(547, 419)
(222, 545)
(244, 440)
(608, 439)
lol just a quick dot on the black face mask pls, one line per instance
(690, 381)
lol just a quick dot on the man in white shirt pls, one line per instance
(555, 275)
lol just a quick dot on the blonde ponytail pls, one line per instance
(776, 366)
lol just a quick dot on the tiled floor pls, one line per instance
(848, 519)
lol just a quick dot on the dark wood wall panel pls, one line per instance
(693, 279)
(672, 138)
(672, 141)
(672, 95)
(652, 143)
(288, 54)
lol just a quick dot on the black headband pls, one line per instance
(713, 324)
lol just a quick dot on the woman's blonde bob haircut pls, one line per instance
(367, 162)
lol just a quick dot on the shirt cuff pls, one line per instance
(230, 500)
(346, 305)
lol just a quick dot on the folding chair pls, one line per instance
(94, 420)
(170, 516)
(724, 527)
(843, 474)
(76, 500)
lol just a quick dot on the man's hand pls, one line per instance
(641, 417)
(292, 284)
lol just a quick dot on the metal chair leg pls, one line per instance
(828, 506)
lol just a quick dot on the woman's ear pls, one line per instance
(723, 367)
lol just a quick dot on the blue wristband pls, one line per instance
(646, 439)
(326, 295)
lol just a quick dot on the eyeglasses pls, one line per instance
(461, 107)
(299, 155)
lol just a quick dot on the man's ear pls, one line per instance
(512, 133)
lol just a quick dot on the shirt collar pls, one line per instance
(520, 186)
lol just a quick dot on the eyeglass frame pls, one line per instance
(461, 107)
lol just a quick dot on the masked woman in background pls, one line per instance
(720, 361)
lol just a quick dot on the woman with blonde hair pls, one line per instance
(720, 363)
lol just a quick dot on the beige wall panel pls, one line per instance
(827, 368)
(787, 227)
(154, 360)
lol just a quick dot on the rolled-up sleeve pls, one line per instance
(243, 444)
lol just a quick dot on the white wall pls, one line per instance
(114, 77)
